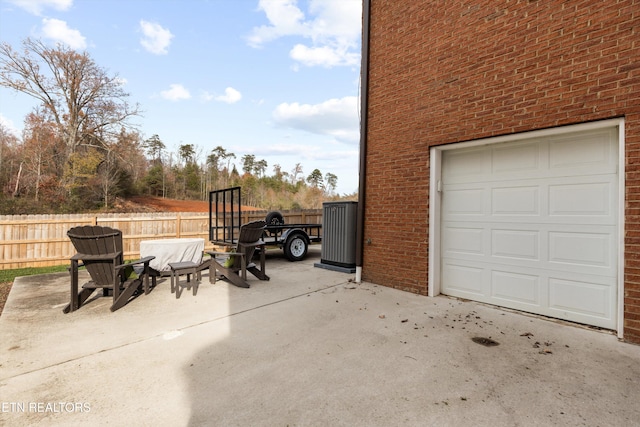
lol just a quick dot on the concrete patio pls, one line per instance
(309, 347)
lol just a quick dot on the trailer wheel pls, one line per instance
(274, 218)
(295, 248)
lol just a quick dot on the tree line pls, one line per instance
(79, 151)
(185, 175)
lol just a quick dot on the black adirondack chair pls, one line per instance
(235, 271)
(100, 252)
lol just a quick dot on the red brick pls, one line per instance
(456, 73)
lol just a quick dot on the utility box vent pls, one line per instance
(339, 236)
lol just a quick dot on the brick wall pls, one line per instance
(450, 71)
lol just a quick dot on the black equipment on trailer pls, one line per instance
(225, 219)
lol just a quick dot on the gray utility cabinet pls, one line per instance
(339, 234)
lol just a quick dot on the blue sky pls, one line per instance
(278, 79)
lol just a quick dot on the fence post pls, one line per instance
(27, 247)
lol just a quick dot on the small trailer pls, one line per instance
(225, 221)
(294, 239)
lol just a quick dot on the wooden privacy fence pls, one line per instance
(41, 240)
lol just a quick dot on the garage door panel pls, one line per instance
(515, 244)
(464, 240)
(464, 164)
(589, 301)
(513, 287)
(516, 201)
(515, 157)
(465, 202)
(581, 249)
(586, 200)
(581, 155)
(532, 225)
(465, 279)
(585, 150)
(561, 247)
(581, 199)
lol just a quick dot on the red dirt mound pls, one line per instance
(158, 204)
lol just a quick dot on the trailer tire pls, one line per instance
(274, 218)
(296, 246)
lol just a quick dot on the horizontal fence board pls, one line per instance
(28, 241)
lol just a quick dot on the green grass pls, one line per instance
(10, 275)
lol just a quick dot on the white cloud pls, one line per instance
(8, 125)
(37, 6)
(175, 92)
(303, 151)
(335, 117)
(59, 32)
(334, 30)
(285, 19)
(156, 38)
(324, 56)
(339, 22)
(295, 150)
(231, 96)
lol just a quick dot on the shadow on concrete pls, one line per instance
(348, 354)
(309, 347)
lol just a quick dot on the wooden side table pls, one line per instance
(181, 268)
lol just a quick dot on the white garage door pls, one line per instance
(532, 225)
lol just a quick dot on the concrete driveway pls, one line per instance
(308, 347)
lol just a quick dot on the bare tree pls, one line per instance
(297, 170)
(224, 155)
(331, 181)
(16, 190)
(82, 99)
(39, 147)
(8, 156)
